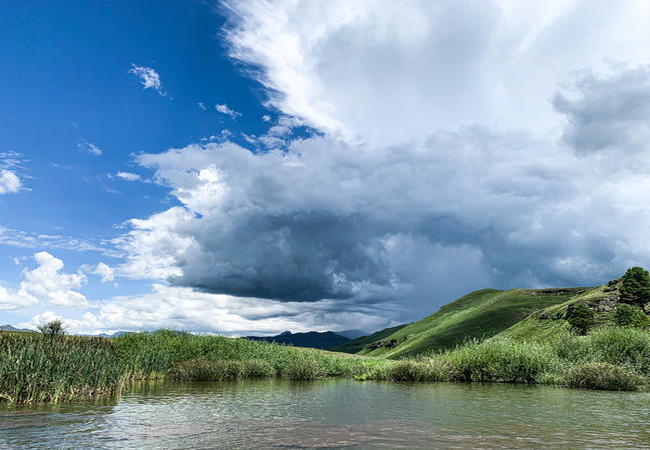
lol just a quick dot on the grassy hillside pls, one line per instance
(480, 314)
(548, 322)
(356, 345)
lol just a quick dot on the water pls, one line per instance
(335, 414)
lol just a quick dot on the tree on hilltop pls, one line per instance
(635, 286)
(52, 328)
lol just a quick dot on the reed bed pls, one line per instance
(39, 368)
(151, 355)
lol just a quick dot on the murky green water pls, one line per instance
(336, 414)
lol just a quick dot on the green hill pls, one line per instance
(479, 314)
(356, 345)
(542, 325)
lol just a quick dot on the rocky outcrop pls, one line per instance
(558, 291)
(389, 343)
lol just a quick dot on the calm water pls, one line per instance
(336, 414)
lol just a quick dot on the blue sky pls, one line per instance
(262, 166)
(67, 75)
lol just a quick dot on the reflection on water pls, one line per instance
(335, 414)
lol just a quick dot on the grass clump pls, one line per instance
(422, 369)
(304, 369)
(257, 368)
(599, 375)
(499, 360)
(50, 368)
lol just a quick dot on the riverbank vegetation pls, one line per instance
(610, 357)
(50, 367)
(190, 357)
(41, 368)
(596, 338)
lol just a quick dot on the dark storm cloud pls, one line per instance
(607, 111)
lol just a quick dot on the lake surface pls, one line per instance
(335, 414)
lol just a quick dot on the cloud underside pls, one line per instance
(327, 219)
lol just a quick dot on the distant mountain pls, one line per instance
(116, 334)
(313, 339)
(352, 334)
(11, 328)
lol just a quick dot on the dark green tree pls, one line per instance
(52, 328)
(635, 286)
(628, 315)
(581, 319)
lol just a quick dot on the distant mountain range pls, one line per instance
(313, 339)
(116, 334)
(11, 328)
(351, 334)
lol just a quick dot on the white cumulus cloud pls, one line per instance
(46, 285)
(9, 182)
(391, 72)
(106, 272)
(128, 176)
(225, 109)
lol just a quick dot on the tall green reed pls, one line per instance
(38, 368)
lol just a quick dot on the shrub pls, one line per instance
(571, 349)
(635, 286)
(598, 375)
(581, 319)
(626, 315)
(621, 346)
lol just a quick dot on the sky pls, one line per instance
(250, 167)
